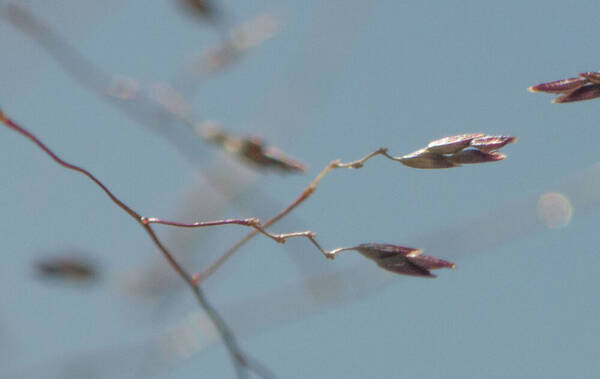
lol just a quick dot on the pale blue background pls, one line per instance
(340, 79)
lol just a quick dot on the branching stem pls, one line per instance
(306, 193)
(238, 357)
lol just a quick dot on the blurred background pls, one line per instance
(320, 81)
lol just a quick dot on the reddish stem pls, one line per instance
(239, 359)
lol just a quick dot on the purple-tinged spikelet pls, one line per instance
(559, 86)
(491, 143)
(472, 156)
(404, 266)
(402, 260)
(425, 159)
(377, 251)
(432, 263)
(591, 76)
(253, 150)
(457, 150)
(584, 87)
(453, 144)
(589, 92)
(66, 268)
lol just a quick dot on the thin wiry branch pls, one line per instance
(303, 196)
(238, 357)
(443, 153)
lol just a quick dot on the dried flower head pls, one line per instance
(66, 269)
(559, 86)
(458, 150)
(426, 159)
(204, 8)
(253, 149)
(588, 92)
(491, 143)
(584, 87)
(402, 260)
(453, 144)
(591, 76)
(471, 156)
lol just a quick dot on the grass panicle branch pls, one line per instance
(171, 106)
(437, 154)
(241, 363)
(402, 264)
(443, 153)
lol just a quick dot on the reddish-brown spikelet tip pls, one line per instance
(542, 87)
(496, 156)
(3, 117)
(491, 143)
(431, 263)
(560, 86)
(563, 100)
